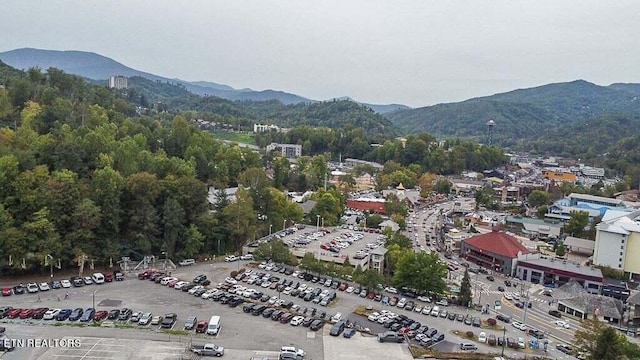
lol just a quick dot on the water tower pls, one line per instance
(490, 125)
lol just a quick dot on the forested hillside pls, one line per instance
(81, 177)
(523, 114)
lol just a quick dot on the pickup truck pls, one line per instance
(208, 350)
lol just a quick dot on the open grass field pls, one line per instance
(246, 138)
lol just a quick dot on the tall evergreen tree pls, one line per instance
(465, 296)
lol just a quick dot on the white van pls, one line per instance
(435, 311)
(187, 262)
(98, 278)
(214, 325)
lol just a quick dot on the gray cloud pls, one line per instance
(413, 52)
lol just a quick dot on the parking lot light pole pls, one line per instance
(93, 298)
(504, 339)
(318, 222)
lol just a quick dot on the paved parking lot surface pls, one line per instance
(117, 349)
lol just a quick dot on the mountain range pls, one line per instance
(521, 114)
(97, 67)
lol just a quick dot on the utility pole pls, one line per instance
(526, 307)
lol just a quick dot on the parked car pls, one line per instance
(88, 315)
(50, 314)
(145, 319)
(555, 313)
(390, 336)
(168, 321)
(201, 326)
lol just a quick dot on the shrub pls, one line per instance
(469, 334)
(491, 321)
(234, 274)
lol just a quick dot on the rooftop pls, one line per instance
(498, 243)
(564, 265)
(600, 199)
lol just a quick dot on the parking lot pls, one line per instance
(242, 335)
(344, 241)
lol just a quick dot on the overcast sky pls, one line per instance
(414, 52)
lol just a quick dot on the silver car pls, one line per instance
(145, 319)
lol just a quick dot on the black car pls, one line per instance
(468, 320)
(55, 284)
(564, 348)
(188, 287)
(199, 279)
(18, 289)
(199, 292)
(268, 312)
(265, 298)
(77, 282)
(248, 307)
(4, 311)
(113, 314)
(490, 278)
(76, 314)
(307, 321)
(507, 283)
(225, 299)
(169, 320)
(555, 313)
(63, 314)
(451, 316)
(460, 318)
(236, 301)
(125, 314)
(258, 310)
(276, 315)
(118, 275)
(316, 325)
(500, 288)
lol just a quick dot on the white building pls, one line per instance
(118, 82)
(287, 150)
(258, 128)
(376, 259)
(618, 241)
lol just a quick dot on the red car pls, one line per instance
(108, 277)
(14, 313)
(39, 313)
(100, 315)
(201, 327)
(6, 291)
(25, 313)
(324, 247)
(343, 286)
(371, 295)
(172, 283)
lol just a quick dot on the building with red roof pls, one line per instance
(495, 250)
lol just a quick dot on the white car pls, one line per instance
(424, 298)
(246, 257)
(519, 325)
(266, 284)
(349, 290)
(209, 293)
(562, 324)
(166, 280)
(482, 337)
(50, 314)
(521, 343)
(381, 319)
(373, 316)
(292, 350)
(297, 320)
(272, 300)
(230, 280)
(194, 289)
(426, 310)
(391, 290)
(508, 296)
(417, 309)
(43, 286)
(180, 284)
(32, 288)
(402, 303)
(65, 283)
(230, 258)
(287, 290)
(145, 319)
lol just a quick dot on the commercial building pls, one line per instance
(559, 174)
(118, 82)
(574, 300)
(376, 258)
(350, 162)
(496, 250)
(557, 272)
(260, 128)
(618, 242)
(286, 150)
(367, 204)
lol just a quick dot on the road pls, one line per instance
(486, 292)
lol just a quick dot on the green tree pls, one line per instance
(485, 196)
(560, 250)
(193, 243)
(443, 186)
(538, 198)
(373, 221)
(465, 297)
(369, 279)
(577, 223)
(542, 211)
(608, 345)
(173, 218)
(422, 272)
(240, 218)
(275, 250)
